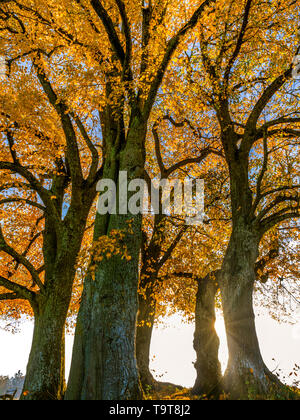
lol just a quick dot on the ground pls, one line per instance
(168, 393)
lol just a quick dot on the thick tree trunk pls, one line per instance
(246, 376)
(104, 365)
(45, 376)
(104, 355)
(206, 340)
(145, 324)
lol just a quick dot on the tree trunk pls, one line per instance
(246, 376)
(206, 340)
(45, 376)
(104, 355)
(104, 364)
(145, 324)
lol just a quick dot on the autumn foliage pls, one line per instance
(159, 89)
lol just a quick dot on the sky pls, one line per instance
(172, 348)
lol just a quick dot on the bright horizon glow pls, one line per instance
(172, 349)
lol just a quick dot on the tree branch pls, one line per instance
(92, 148)
(274, 220)
(282, 120)
(110, 30)
(239, 42)
(11, 144)
(171, 249)
(170, 50)
(147, 15)
(189, 161)
(34, 184)
(22, 200)
(165, 173)
(278, 200)
(17, 289)
(10, 296)
(127, 33)
(266, 97)
(158, 150)
(279, 189)
(21, 260)
(60, 107)
(262, 172)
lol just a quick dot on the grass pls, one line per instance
(168, 393)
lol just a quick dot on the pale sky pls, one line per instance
(173, 348)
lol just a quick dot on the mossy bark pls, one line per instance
(246, 376)
(45, 376)
(104, 356)
(104, 364)
(245, 373)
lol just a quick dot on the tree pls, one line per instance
(105, 333)
(163, 234)
(58, 183)
(91, 96)
(278, 273)
(206, 340)
(254, 109)
(62, 59)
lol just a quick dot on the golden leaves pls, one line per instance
(107, 247)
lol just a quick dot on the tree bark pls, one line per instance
(45, 376)
(104, 364)
(246, 376)
(206, 340)
(104, 355)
